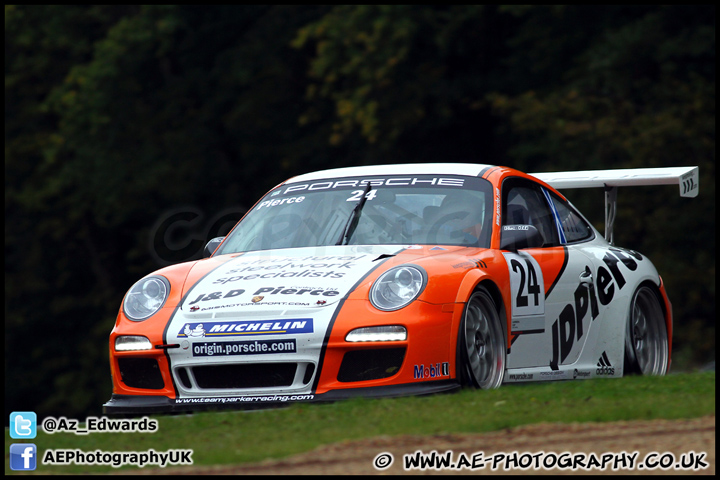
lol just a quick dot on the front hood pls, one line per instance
(289, 278)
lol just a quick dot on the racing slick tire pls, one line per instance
(481, 343)
(646, 339)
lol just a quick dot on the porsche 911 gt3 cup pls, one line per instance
(395, 280)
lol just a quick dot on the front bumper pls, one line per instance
(156, 381)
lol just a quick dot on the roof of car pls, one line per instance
(466, 169)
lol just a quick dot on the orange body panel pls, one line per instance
(429, 341)
(154, 327)
(432, 322)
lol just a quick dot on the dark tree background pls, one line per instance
(121, 120)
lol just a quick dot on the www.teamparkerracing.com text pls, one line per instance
(521, 461)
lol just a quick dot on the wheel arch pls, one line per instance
(478, 278)
(659, 290)
(497, 297)
(656, 290)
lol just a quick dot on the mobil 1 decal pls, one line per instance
(595, 289)
(527, 292)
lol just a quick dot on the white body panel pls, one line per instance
(593, 345)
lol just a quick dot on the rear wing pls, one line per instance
(688, 179)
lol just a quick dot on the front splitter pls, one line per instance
(147, 404)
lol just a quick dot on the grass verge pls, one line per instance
(221, 438)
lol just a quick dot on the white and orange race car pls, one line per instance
(395, 280)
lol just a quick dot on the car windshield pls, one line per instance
(399, 210)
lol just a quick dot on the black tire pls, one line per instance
(646, 339)
(481, 352)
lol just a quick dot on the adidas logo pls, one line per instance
(604, 367)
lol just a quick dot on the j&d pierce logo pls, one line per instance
(257, 299)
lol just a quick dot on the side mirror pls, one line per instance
(212, 246)
(516, 237)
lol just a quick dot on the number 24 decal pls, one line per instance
(526, 284)
(357, 195)
(532, 286)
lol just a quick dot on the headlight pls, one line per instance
(385, 333)
(127, 343)
(146, 297)
(397, 287)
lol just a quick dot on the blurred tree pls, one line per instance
(396, 73)
(52, 299)
(116, 116)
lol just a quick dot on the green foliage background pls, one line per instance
(116, 115)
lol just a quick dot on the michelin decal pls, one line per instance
(224, 329)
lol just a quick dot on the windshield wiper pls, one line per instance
(352, 222)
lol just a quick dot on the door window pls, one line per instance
(525, 204)
(573, 225)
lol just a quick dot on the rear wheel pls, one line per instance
(646, 340)
(481, 343)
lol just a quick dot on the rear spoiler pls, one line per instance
(688, 179)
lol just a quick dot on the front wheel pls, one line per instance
(481, 343)
(646, 339)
